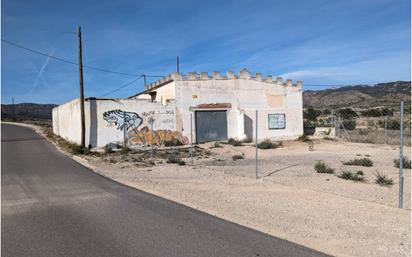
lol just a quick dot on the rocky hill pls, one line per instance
(361, 96)
(27, 111)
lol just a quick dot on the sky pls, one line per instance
(321, 42)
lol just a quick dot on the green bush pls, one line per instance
(383, 180)
(216, 145)
(347, 113)
(311, 114)
(406, 163)
(309, 127)
(267, 144)
(365, 162)
(78, 149)
(108, 149)
(237, 157)
(377, 112)
(172, 142)
(348, 175)
(234, 142)
(247, 140)
(348, 124)
(125, 150)
(393, 125)
(322, 167)
(175, 159)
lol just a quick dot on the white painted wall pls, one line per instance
(67, 122)
(164, 117)
(66, 119)
(175, 101)
(245, 96)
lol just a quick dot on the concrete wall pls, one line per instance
(245, 96)
(66, 121)
(114, 120)
(179, 96)
(166, 93)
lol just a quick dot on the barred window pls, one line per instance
(277, 121)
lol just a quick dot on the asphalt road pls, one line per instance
(53, 206)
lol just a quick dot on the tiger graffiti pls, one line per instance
(160, 137)
(132, 121)
(122, 119)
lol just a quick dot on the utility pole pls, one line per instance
(13, 111)
(144, 78)
(79, 36)
(177, 64)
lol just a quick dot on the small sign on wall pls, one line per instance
(277, 121)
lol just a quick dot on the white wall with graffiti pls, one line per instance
(117, 121)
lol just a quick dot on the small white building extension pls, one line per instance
(216, 107)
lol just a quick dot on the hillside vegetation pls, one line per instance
(361, 96)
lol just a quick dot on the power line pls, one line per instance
(123, 86)
(73, 63)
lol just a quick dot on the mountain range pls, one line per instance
(360, 96)
(29, 111)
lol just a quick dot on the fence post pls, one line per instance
(337, 125)
(124, 130)
(256, 145)
(401, 159)
(191, 139)
(151, 121)
(386, 129)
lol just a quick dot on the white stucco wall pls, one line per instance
(99, 132)
(245, 97)
(163, 115)
(66, 121)
(240, 95)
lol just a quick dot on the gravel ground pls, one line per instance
(321, 211)
(293, 165)
(290, 200)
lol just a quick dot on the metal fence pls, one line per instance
(364, 145)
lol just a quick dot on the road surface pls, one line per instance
(53, 206)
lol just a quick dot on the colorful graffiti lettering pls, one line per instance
(122, 119)
(131, 121)
(160, 137)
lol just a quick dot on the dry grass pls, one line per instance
(376, 136)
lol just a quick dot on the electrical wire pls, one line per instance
(123, 86)
(74, 63)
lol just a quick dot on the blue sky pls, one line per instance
(321, 42)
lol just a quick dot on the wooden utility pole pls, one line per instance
(144, 78)
(177, 64)
(79, 36)
(13, 111)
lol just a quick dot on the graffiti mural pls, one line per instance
(132, 122)
(121, 119)
(160, 137)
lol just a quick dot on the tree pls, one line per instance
(347, 114)
(311, 114)
(326, 112)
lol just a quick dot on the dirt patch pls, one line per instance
(290, 200)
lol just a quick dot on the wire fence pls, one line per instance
(373, 126)
(351, 152)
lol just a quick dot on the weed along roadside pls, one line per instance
(297, 186)
(207, 128)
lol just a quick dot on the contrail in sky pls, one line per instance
(36, 81)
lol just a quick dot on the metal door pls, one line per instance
(210, 126)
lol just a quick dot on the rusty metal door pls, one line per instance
(210, 126)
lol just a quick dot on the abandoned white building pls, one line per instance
(215, 107)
